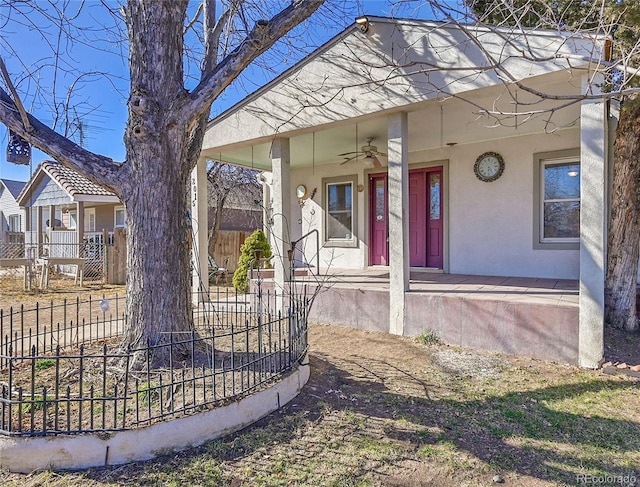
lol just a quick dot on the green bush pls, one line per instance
(255, 243)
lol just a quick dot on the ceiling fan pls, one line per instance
(370, 153)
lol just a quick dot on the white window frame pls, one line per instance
(352, 240)
(11, 221)
(73, 219)
(542, 160)
(89, 219)
(117, 210)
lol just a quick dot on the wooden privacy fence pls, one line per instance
(228, 247)
(116, 264)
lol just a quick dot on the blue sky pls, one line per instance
(23, 47)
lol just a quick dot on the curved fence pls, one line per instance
(63, 370)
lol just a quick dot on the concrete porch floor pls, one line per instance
(514, 315)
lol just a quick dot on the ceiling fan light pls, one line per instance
(368, 161)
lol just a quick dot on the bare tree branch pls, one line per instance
(263, 36)
(103, 170)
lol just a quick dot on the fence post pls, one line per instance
(105, 256)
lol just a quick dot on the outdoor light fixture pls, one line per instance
(368, 161)
(363, 22)
(573, 173)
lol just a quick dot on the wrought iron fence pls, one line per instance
(64, 372)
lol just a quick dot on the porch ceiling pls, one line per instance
(432, 124)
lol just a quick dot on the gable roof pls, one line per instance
(396, 63)
(74, 184)
(72, 181)
(14, 187)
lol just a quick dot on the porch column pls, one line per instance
(80, 224)
(593, 232)
(281, 214)
(39, 223)
(266, 181)
(199, 232)
(398, 157)
(52, 219)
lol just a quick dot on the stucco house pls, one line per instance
(12, 217)
(432, 166)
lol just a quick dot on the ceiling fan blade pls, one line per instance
(380, 154)
(347, 159)
(376, 162)
(347, 153)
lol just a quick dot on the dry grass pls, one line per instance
(381, 410)
(384, 410)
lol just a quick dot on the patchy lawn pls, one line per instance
(386, 410)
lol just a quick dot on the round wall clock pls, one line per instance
(489, 166)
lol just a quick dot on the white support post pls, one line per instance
(39, 223)
(199, 231)
(80, 224)
(593, 232)
(398, 182)
(280, 163)
(52, 218)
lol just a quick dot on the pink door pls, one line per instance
(434, 219)
(425, 218)
(417, 219)
(378, 229)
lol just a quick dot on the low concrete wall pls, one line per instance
(528, 329)
(25, 454)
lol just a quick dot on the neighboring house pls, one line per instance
(241, 213)
(81, 209)
(12, 217)
(439, 185)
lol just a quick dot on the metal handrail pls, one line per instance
(294, 243)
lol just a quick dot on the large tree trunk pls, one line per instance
(624, 226)
(156, 191)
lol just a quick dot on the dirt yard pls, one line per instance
(382, 410)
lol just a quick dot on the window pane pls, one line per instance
(561, 181)
(339, 225)
(14, 223)
(73, 220)
(562, 219)
(340, 197)
(119, 217)
(380, 200)
(339, 211)
(434, 203)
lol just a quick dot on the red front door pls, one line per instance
(378, 229)
(434, 218)
(425, 219)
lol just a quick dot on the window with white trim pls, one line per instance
(340, 211)
(119, 218)
(73, 219)
(14, 223)
(89, 219)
